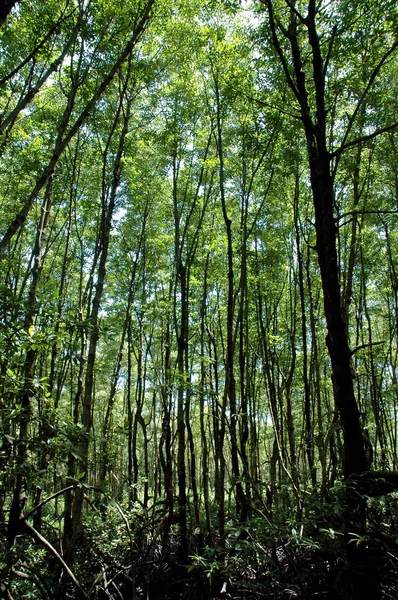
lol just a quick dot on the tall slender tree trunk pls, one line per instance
(308, 409)
(108, 204)
(204, 409)
(322, 186)
(28, 388)
(319, 160)
(165, 443)
(230, 383)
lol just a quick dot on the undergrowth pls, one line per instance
(272, 555)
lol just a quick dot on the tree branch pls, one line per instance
(354, 213)
(374, 483)
(21, 217)
(55, 495)
(279, 51)
(36, 49)
(351, 121)
(369, 345)
(296, 12)
(327, 59)
(365, 138)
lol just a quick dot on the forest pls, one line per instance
(198, 299)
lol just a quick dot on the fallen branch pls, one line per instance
(42, 540)
(43, 502)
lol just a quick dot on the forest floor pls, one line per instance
(300, 573)
(127, 560)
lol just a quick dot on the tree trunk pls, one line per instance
(230, 383)
(322, 186)
(28, 373)
(308, 409)
(108, 205)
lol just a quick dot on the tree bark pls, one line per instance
(5, 9)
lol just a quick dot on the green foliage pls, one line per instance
(237, 359)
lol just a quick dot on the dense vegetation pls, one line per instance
(198, 299)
